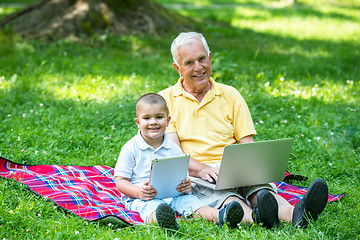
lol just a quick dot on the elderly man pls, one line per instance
(205, 117)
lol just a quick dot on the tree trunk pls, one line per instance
(55, 19)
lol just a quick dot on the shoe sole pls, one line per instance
(316, 199)
(268, 209)
(165, 216)
(234, 214)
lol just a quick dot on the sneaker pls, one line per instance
(231, 214)
(266, 212)
(312, 204)
(166, 217)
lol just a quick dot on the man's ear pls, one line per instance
(168, 121)
(177, 68)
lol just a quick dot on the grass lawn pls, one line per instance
(297, 66)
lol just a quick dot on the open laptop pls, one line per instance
(167, 173)
(250, 164)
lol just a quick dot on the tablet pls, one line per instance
(167, 173)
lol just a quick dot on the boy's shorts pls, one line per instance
(184, 204)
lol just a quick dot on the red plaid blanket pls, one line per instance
(90, 192)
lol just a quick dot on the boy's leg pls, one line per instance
(152, 217)
(165, 216)
(155, 210)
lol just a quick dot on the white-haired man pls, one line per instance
(207, 116)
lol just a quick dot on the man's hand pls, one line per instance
(184, 186)
(209, 174)
(147, 192)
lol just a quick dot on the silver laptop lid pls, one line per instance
(254, 163)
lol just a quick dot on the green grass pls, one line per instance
(73, 104)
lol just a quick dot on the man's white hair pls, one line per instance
(186, 38)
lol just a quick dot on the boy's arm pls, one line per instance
(144, 192)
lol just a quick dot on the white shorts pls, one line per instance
(185, 205)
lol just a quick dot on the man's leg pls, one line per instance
(232, 214)
(247, 210)
(310, 207)
(285, 209)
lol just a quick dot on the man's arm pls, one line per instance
(196, 168)
(247, 139)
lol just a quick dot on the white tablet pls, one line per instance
(167, 173)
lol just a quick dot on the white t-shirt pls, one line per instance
(136, 155)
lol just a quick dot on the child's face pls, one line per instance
(152, 120)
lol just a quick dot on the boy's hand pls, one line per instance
(147, 192)
(184, 186)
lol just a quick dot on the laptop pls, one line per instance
(250, 164)
(167, 173)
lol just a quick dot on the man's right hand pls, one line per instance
(209, 174)
(196, 168)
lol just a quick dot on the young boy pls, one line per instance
(132, 172)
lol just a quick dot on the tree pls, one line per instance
(75, 18)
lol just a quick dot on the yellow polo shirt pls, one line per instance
(204, 129)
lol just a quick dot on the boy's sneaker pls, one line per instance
(266, 212)
(312, 204)
(231, 214)
(166, 217)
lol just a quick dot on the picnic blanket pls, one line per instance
(90, 192)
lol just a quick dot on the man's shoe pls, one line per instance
(231, 214)
(166, 217)
(266, 212)
(312, 204)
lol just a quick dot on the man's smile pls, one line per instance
(200, 75)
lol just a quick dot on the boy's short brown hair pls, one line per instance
(152, 98)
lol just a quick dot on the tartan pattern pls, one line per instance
(294, 194)
(90, 192)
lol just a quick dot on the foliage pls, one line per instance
(72, 103)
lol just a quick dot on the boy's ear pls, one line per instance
(137, 122)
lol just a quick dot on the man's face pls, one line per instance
(194, 63)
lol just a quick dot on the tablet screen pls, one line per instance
(167, 173)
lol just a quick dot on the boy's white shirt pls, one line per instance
(136, 155)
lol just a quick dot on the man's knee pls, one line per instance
(232, 198)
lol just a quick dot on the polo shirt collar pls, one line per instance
(180, 91)
(143, 145)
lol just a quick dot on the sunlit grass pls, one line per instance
(326, 92)
(297, 27)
